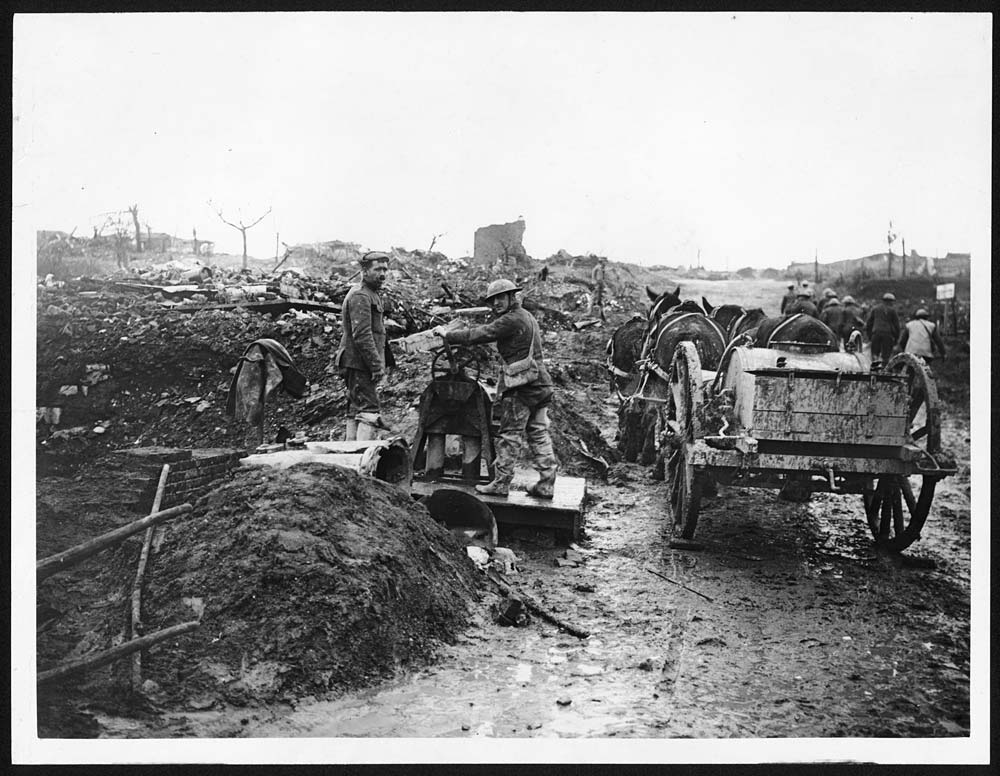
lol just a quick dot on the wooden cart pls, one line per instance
(794, 418)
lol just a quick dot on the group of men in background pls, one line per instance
(882, 327)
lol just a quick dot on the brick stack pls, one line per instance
(192, 472)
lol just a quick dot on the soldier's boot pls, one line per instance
(351, 430)
(545, 486)
(499, 487)
(369, 425)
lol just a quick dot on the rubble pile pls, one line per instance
(306, 580)
(129, 363)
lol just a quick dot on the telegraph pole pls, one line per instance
(816, 265)
(904, 256)
(888, 239)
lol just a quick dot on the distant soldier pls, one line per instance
(852, 318)
(803, 304)
(828, 294)
(882, 327)
(922, 338)
(833, 316)
(788, 299)
(597, 275)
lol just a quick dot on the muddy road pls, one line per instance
(793, 626)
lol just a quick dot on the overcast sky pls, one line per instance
(757, 139)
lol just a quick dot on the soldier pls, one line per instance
(922, 338)
(833, 316)
(828, 294)
(597, 276)
(788, 299)
(361, 356)
(524, 396)
(803, 304)
(882, 328)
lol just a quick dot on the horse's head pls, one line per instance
(662, 301)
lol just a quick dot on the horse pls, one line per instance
(733, 318)
(662, 301)
(623, 349)
(625, 344)
(750, 319)
(640, 416)
(797, 329)
(680, 325)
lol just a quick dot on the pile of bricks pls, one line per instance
(192, 472)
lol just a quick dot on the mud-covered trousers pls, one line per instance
(517, 420)
(361, 395)
(882, 346)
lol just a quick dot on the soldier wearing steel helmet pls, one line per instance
(803, 304)
(882, 327)
(524, 409)
(921, 337)
(788, 299)
(828, 294)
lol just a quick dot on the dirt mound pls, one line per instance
(312, 579)
(572, 434)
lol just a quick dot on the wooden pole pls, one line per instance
(538, 609)
(63, 560)
(113, 654)
(139, 573)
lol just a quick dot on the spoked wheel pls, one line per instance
(924, 412)
(683, 411)
(896, 511)
(450, 361)
(898, 506)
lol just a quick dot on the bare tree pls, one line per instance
(117, 223)
(239, 226)
(134, 210)
(434, 239)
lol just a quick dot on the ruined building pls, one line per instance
(500, 241)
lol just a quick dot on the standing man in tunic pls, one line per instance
(361, 355)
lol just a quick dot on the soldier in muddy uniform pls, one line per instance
(361, 355)
(882, 328)
(525, 388)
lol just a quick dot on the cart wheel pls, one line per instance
(898, 506)
(685, 399)
(686, 486)
(924, 415)
(450, 361)
(683, 407)
(896, 513)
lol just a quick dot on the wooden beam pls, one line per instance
(113, 654)
(63, 560)
(140, 573)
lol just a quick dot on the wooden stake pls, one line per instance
(113, 654)
(679, 584)
(139, 573)
(63, 560)
(537, 608)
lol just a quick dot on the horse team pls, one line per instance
(646, 344)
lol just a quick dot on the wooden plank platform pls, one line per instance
(564, 511)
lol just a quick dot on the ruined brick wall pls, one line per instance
(192, 473)
(500, 241)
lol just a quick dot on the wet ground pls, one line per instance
(790, 625)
